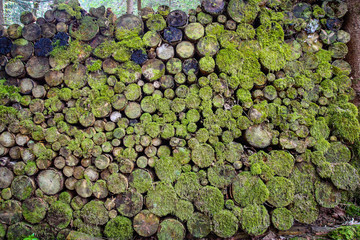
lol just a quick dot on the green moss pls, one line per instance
(281, 191)
(73, 10)
(254, 219)
(171, 229)
(248, 189)
(345, 233)
(281, 162)
(304, 208)
(95, 66)
(282, 219)
(95, 213)
(203, 155)
(245, 31)
(327, 195)
(338, 152)
(184, 210)
(303, 177)
(207, 64)
(60, 215)
(187, 186)
(161, 200)
(221, 175)
(345, 176)
(275, 56)
(34, 210)
(167, 169)
(156, 22)
(199, 225)
(225, 224)
(119, 228)
(209, 200)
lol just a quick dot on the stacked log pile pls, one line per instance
(232, 118)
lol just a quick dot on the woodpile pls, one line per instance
(231, 119)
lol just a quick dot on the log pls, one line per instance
(49, 16)
(185, 50)
(177, 19)
(22, 187)
(37, 67)
(126, 24)
(213, 7)
(22, 47)
(172, 35)
(48, 30)
(129, 203)
(165, 52)
(6, 177)
(27, 18)
(194, 31)
(86, 30)
(31, 32)
(14, 31)
(50, 181)
(156, 23)
(146, 223)
(15, 68)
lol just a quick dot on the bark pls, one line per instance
(139, 5)
(129, 6)
(2, 20)
(352, 25)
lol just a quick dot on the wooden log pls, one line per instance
(10, 212)
(213, 7)
(190, 65)
(41, 21)
(153, 69)
(84, 187)
(31, 32)
(49, 16)
(27, 18)
(185, 50)
(48, 30)
(22, 187)
(146, 223)
(15, 68)
(126, 24)
(172, 35)
(7, 139)
(171, 227)
(59, 215)
(6, 177)
(242, 11)
(151, 39)
(98, 12)
(177, 19)
(129, 203)
(15, 153)
(165, 52)
(75, 77)
(22, 47)
(14, 31)
(37, 67)
(194, 31)
(85, 30)
(62, 27)
(156, 22)
(34, 210)
(208, 45)
(50, 181)
(100, 189)
(164, 10)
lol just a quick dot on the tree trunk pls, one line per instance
(1, 13)
(352, 25)
(139, 5)
(129, 6)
